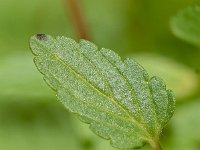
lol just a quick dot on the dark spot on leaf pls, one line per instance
(41, 36)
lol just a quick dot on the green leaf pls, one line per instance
(117, 98)
(185, 25)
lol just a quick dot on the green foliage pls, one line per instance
(186, 23)
(117, 98)
(30, 118)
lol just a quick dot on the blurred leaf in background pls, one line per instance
(30, 116)
(185, 25)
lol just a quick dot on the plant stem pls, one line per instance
(156, 145)
(78, 19)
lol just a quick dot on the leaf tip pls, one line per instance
(36, 41)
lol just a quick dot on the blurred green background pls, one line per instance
(30, 116)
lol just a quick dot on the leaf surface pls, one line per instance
(186, 23)
(116, 97)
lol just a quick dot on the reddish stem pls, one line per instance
(78, 18)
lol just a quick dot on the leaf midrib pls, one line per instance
(98, 108)
(90, 104)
